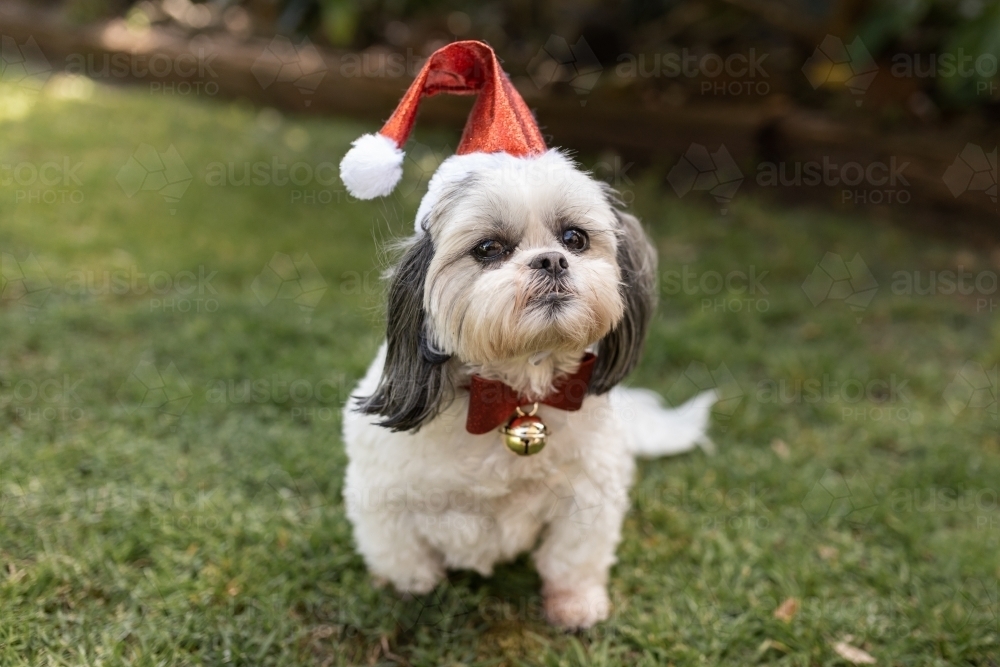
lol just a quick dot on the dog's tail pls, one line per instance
(653, 430)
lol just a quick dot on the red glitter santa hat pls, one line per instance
(500, 121)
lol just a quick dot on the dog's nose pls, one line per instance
(552, 263)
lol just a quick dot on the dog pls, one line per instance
(525, 274)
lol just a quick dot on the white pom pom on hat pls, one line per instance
(372, 167)
(500, 121)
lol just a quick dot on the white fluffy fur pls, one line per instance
(450, 171)
(422, 502)
(372, 167)
(654, 431)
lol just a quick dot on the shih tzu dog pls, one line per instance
(491, 422)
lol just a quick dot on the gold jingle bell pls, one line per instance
(525, 434)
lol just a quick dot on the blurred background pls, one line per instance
(769, 80)
(188, 295)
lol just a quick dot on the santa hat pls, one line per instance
(500, 121)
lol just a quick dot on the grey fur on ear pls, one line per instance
(619, 351)
(414, 381)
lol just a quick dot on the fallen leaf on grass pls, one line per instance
(780, 448)
(827, 553)
(770, 644)
(853, 654)
(811, 331)
(787, 610)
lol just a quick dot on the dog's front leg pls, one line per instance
(578, 550)
(390, 543)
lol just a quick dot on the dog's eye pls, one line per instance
(575, 239)
(489, 249)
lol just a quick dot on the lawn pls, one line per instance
(176, 342)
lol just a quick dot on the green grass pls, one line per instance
(203, 529)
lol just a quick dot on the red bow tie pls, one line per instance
(492, 403)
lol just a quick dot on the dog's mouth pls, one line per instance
(552, 297)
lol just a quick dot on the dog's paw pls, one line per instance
(420, 582)
(577, 608)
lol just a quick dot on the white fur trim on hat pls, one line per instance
(372, 167)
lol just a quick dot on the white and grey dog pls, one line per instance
(519, 266)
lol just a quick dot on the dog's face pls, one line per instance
(525, 261)
(516, 257)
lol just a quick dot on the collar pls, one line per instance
(492, 403)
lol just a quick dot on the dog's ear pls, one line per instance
(414, 379)
(619, 351)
